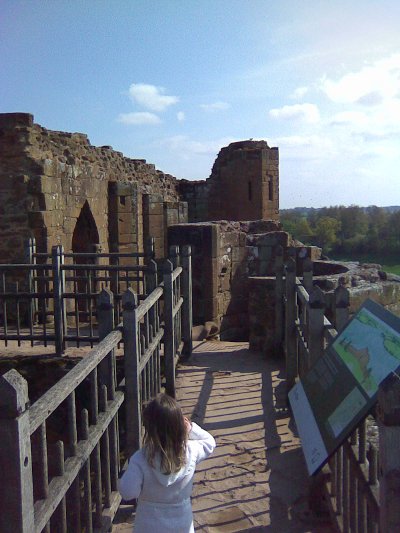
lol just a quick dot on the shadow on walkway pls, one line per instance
(256, 479)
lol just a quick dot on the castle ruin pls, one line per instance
(58, 188)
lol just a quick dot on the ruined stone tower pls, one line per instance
(244, 183)
(57, 187)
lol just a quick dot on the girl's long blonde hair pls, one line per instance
(165, 433)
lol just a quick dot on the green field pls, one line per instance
(389, 264)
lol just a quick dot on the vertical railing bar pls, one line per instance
(86, 291)
(43, 302)
(362, 442)
(43, 472)
(87, 508)
(3, 279)
(169, 334)
(76, 506)
(353, 490)
(72, 430)
(91, 283)
(76, 303)
(142, 375)
(105, 451)
(373, 465)
(361, 507)
(97, 486)
(332, 465)
(57, 254)
(114, 453)
(345, 491)
(31, 308)
(60, 515)
(94, 404)
(17, 307)
(339, 485)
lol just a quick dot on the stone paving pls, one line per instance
(256, 479)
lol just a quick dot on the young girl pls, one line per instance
(161, 473)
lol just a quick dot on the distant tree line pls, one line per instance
(346, 231)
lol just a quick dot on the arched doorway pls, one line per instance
(85, 235)
(85, 239)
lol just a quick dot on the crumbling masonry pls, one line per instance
(60, 189)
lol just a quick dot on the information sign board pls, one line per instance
(341, 388)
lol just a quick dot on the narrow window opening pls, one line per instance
(270, 190)
(122, 200)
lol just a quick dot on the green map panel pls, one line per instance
(342, 386)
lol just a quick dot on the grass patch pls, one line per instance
(389, 264)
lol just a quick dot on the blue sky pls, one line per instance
(172, 81)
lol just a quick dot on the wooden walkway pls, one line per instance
(256, 479)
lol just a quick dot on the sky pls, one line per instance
(173, 81)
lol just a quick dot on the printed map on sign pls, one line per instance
(370, 349)
(342, 386)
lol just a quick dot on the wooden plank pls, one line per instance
(150, 350)
(177, 307)
(59, 485)
(132, 375)
(145, 306)
(302, 293)
(49, 402)
(291, 360)
(108, 514)
(388, 418)
(176, 273)
(87, 494)
(59, 522)
(187, 313)
(169, 334)
(316, 311)
(105, 451)
(16, 488)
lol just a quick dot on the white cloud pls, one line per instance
(307, 112)
(180, 116)
(151, 97)
(139, 118)
(215, 106)
(369, 85)
(347, 118)
(298, 93)
(305, 147)
(376, 122)
(186, 146)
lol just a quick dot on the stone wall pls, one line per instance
(60, 189)
(223, 258)
(243, 185)
(244, 182)
(50, 180)
(362, 280)
(196, 194)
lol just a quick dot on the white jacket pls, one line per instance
(164, 499)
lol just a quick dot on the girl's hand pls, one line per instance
(188, 424)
